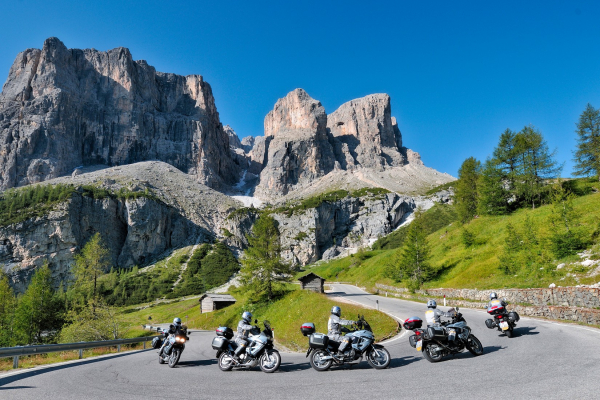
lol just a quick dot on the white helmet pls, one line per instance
(493, 296)
(335, 310)
(177, 321)
(431, 304)
(247, 316)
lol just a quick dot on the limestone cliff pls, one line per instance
(61, 108)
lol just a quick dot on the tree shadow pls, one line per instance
(43, 370)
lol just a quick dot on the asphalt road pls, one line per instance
(544, 360)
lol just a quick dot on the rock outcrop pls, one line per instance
(296, 144)
(332, 228)
(366, 135)
(134, 231)
(61, 108)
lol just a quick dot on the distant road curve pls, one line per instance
(546, 360)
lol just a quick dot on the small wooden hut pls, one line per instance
(215, 301)
(312, 282)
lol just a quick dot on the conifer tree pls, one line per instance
(262, 265)
(413, 257)
(466, 189)
(587, 155)
(7, 312)
(90, 263)
(492, 195)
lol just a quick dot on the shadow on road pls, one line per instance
(40, 371)
(525, 330)
(291, 367)
(196, 363)
(404, 361)
(17, 387)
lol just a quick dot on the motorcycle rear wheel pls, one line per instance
(270, 361)
(474, 346)
(430, 354)
(225, 362)
(174, 357)
(509, 332)
(379, 358)
(317, 363)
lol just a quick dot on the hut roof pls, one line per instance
(217, 297)
(309, 276)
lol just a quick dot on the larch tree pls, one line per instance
(587, 155)
(466, 189)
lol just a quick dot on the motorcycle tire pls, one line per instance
(509, 332)
(160, 359)
(174, 358)
(225, 362)
(474, 346)
(270, 361)
(429, 353)
(381, 362)
(317, 363)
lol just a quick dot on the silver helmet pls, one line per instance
(431, 304)
(177, 321)
(493, 296)
(247, 316)
(335, 310)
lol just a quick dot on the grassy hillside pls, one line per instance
(286, 315)
(474, 262)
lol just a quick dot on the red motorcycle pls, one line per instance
(501, 319)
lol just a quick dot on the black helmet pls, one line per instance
(335, 310)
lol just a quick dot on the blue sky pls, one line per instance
(458, 73)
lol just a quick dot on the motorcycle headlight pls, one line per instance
(181, 340)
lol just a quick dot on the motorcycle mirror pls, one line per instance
(256, 321)
(456, 308)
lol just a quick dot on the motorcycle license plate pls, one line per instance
(504, 325)
(419, 345)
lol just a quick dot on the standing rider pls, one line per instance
(335, 328)
(243, 329)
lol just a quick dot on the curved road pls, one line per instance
(545, 360)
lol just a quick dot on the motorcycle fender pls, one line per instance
(377, 346)
(309, 351)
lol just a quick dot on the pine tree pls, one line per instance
(7, 312)
(537, 165)
(493, 197)
(506, 158)
(587, 156)
(90, 263)
(565, 238)
(466, 189)
(413, 257)
(39, 311)
(262, 265)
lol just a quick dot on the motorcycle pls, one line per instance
(258, 350)
(436, 342)
(174, 345)
(502, 319)
(324, 352)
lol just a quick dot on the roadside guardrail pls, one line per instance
(15, 352)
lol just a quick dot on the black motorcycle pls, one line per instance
(360, 342)
(172, 347)
(257, 350)
(451, 337)
(502, 319)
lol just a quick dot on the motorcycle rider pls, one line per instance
(243, 329)
(433, 315)
(173, 328)
(335, 328)
(494, 301)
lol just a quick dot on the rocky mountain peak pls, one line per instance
(296, 113)
(61, 108)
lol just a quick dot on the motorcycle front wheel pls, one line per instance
(270, 361)
(379, 358)
(161, 360)
(317, 363)
(474, 346)
(174, 357)
(431, 354)
(225, 362)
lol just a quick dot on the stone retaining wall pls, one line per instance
(569, 303)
